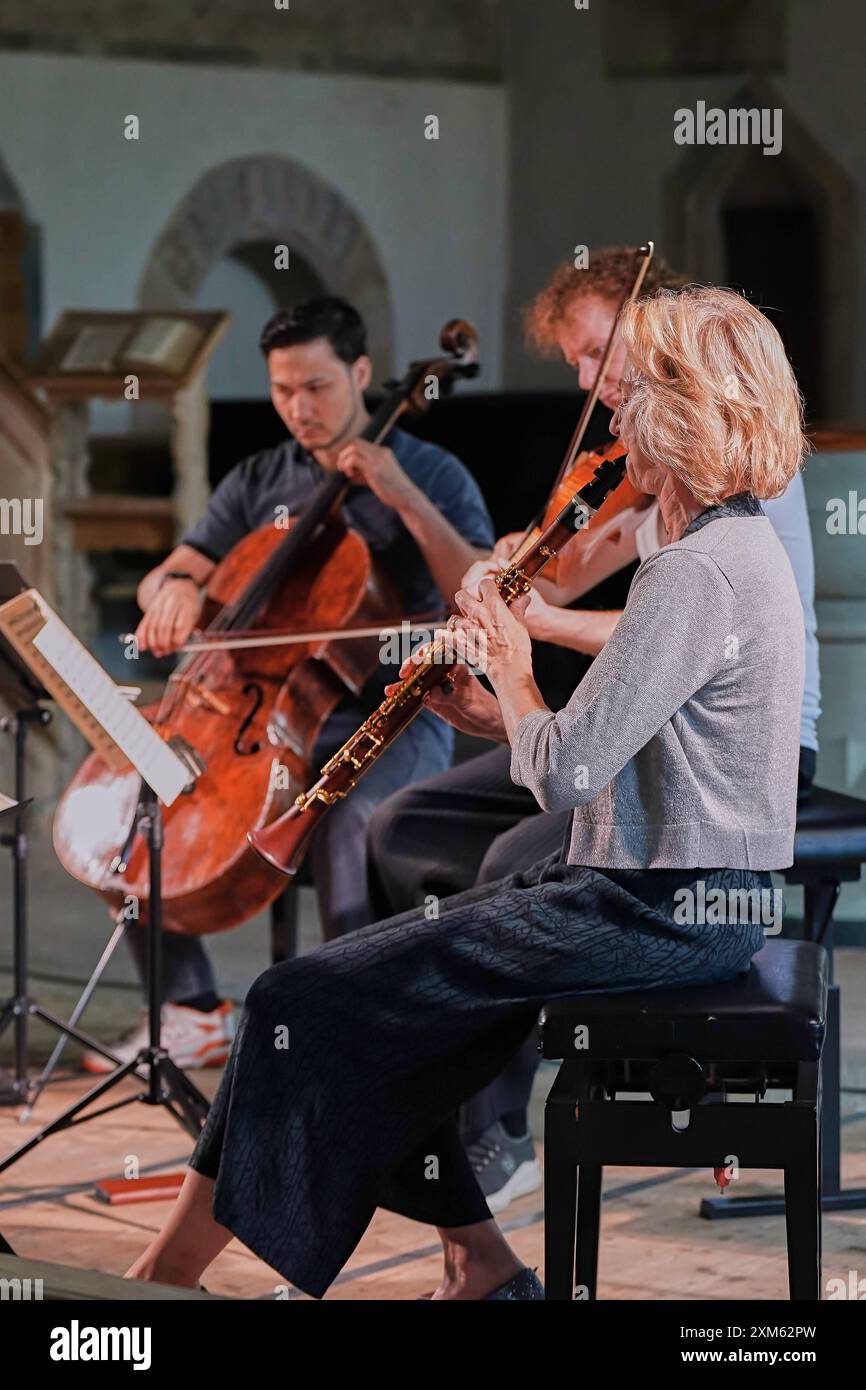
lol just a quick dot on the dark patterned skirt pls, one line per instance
(349, 1064)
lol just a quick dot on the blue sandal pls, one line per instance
(520, 1288)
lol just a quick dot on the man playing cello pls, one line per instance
(425, 521)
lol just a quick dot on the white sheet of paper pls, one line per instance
(150, 755)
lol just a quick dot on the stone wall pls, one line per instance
(592, 156)
(337, 166)
(429, 38)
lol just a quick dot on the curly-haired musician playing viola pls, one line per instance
(677, 755)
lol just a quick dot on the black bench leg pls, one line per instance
(831, 1063)
(560, 1195)
(803, 1221)
(588, 1226)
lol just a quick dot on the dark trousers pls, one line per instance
(349, 1062)
(470, 825)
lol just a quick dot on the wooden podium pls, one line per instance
(134, 356)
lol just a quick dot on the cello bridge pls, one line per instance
(190, 757)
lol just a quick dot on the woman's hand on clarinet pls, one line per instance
(462, 701)
(507, 545)
(536, 608)
(494, 636)
(498, 559)
(487, 636)
(480, 570)
(491, 636)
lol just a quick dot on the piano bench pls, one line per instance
(692, 1050)
(829, 849)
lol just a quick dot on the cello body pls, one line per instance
(251, 718)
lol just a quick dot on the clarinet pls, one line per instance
(283, 843)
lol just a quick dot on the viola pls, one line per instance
(578, 474)
(577, 466)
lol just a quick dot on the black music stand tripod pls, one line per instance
(23, 692)
(166, 1083)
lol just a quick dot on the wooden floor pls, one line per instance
(653, 1244)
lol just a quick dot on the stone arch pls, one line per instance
(695, 195)
(271, 198)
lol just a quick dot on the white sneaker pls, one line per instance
(505, 1166)
(191, 1038)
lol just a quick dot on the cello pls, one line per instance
(234, 713)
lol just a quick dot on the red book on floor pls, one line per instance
(156, 1188)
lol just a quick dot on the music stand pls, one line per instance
(10, 1091)
(23, 693)
(166, 1083)
(8, 809)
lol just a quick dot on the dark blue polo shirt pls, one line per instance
(288, 475)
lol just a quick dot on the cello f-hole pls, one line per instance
(254, 689)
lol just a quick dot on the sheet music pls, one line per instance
(165, 343)
(94, 349)
(6, 803)
(89, 695)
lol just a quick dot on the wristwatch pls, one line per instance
(178, 574)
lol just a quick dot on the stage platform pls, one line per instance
(654, 1244)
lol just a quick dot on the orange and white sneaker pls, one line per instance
(191, 1038)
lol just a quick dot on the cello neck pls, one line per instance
(385, 417)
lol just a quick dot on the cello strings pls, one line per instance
(243, 610)
(196, 667)
(328, 496)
